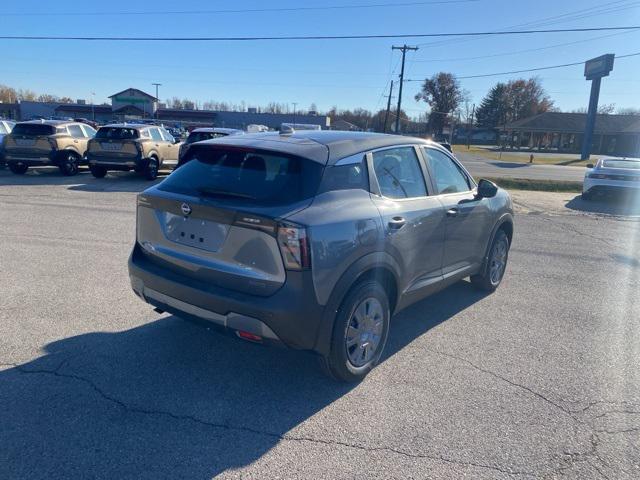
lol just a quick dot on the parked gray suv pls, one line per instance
(315, 239)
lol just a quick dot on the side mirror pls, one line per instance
(589, 165)
(487, 189)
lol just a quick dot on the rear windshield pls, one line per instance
(635, 165)
(33, 129)
(251, 176)
(200, 136)
(115, 133)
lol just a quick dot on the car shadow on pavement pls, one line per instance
(616, 205)
(509, 164)
(83, 181)
(169, 399)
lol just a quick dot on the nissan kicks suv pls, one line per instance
(40, 143)
(139, 147)
(315, 239)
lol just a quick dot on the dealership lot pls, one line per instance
(540, 379)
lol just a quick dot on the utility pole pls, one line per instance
(470, 129)
(404, 50)
(294, 114)
(157, 99)
(386, 115)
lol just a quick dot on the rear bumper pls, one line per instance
(116, 163)
(31, 160)
(291, 316)
(610, 187)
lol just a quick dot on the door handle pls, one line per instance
(397, 223)
(453, 212)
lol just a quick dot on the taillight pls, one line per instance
(294, 246)
(53, 143)
(139, 147)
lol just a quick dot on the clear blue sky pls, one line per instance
(345, 73)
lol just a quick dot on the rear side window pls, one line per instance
(117, 133)
(349, 176)
(76, 131)
(33, 129)
(167, 136)
(398, 173)
(251, 176)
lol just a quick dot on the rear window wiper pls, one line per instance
(212, 192)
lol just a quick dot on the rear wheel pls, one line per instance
(151, 170)
(69, 164)
(359, 333)
(18, 168)
(97, 171)
(490, 278)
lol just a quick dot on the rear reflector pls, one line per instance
(249, 336)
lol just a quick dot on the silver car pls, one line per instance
(315, 239)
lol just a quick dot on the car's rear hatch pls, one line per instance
(114, 143)
(30, 140)
(216, 219)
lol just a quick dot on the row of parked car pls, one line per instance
(144, 148)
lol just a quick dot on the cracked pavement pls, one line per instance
(539, 380)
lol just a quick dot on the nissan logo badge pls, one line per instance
(186, 209)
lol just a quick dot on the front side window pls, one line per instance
(89, 131)
(398, 173)
(448, 176)
(167, 136)
(76, 131)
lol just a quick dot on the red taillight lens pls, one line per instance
(249, 336)
(294, 246)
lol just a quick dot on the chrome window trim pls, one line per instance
(350, 160)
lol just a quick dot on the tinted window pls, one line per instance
(200, 136)
(155, 134)
(346, 177)
(76, 131)
(33, 129)
(251, 176)
(399, 174)
(117, 133)
(621, 164)
(447, 174)
(89, 131)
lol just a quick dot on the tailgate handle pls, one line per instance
(397, 223)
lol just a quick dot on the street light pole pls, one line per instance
(157, 98)
(93, 108)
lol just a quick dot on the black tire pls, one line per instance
(338, 363)
(18, 168)
(151, 170)
(491, 277)
(97, 171)
(69, 164)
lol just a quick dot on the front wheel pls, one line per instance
(151, 170)
(490, 278)
(18, 168)
(69, 164)
(359, 333)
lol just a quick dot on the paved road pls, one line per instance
(541, 379)
(479, 167)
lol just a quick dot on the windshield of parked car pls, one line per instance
(33, 129)
(117, 133)
(632, 164)
(250, 175)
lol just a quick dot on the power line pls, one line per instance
(246, 10)
(315, 37)
(530, 69)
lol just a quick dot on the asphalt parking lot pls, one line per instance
(539, 380)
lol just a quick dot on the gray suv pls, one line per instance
(315, 239)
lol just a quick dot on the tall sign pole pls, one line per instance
(404, 50)
(594, 70)
(157, 99)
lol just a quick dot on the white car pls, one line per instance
(5, 128)
(611, 175)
